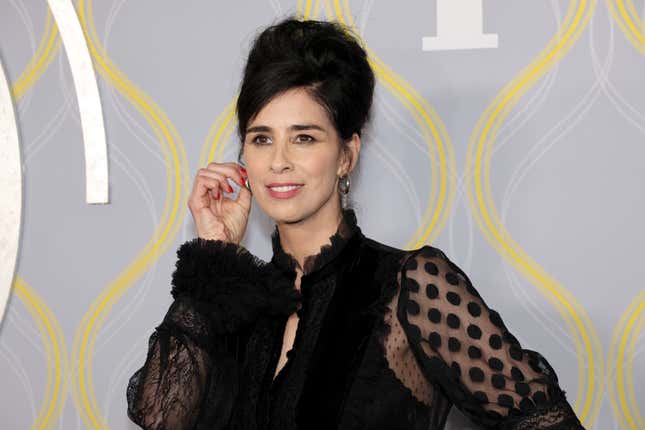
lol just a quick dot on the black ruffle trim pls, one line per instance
(232, 285)
(347, 228)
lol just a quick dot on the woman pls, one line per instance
(337, 330)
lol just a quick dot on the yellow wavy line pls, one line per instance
(635, 35)
(500, 237)
(50, 408)
(620, 337)
(306, 14)
(630, 368)
(52, 337)
(217, 133)
(634, 310)
(177, 185)
(45, 53)
(427, 118)
(633, 28)
(633, 13)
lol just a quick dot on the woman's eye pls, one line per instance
(307, 138)
(256, 141)
(262, 140)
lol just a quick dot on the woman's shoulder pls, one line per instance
(406, 257)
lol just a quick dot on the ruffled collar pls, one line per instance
(346, 230)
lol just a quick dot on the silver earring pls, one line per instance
(246, 184)
(343, 184)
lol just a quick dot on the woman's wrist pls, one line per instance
(213, 237)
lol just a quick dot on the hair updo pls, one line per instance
(323, 57)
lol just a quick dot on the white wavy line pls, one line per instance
(366, 9)
(134, 127)
(78, 420)
(61, 418)
(620, 103)
(115, 9)
(146, 191)
(399, 123)
(407, 183)
(522, 168)
(15, 363)
(130, 362)
(277, 8)
(123, 110)
(394, 166)
(541, 94)
(52, 125)
(391, 171)
(399, 170)
(538, 313)
(23, 104)
(23, 326)
(320, 9)
(403, 126)
(614, 96)
(535, 101)
(128, 309)
(567, 123)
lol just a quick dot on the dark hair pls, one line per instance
(323, 57)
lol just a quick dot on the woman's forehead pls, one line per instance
(291, 113)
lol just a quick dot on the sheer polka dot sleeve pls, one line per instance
(464, 348)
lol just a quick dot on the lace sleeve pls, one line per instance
(190, 376)
(189, 379)
(464, 347)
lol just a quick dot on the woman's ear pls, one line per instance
(351, 151)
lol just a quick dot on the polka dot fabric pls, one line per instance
(464, 347)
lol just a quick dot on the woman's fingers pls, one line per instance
(205, 188)
(214, 180)
(211, 183)
(231, 170)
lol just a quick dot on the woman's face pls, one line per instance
(292, 141)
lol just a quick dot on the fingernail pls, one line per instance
(243, 170)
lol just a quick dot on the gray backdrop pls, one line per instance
(527, 173)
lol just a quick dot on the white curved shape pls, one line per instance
(89, 100)
(460, 25)
(10, 191)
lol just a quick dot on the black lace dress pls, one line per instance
(386, 339)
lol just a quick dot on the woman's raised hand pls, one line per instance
(218, 217)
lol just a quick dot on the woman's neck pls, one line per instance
(305, 237)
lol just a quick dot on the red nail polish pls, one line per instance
(243, 170)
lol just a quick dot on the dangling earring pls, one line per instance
(343, 184)
(246, 184)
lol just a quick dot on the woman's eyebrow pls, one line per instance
(295, 127)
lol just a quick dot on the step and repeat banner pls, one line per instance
(509, 134)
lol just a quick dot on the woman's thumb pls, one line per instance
(244, 197)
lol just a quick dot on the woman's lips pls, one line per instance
(289, 191)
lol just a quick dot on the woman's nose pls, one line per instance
(280, 157)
